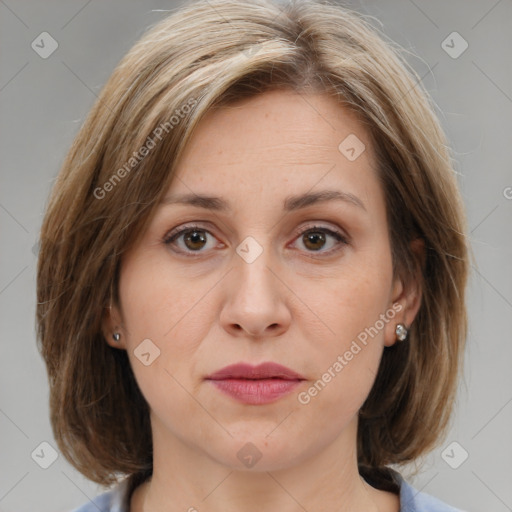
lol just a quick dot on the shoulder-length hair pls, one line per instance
(205, 55)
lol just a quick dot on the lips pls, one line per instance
(262, 371)
(256, 385)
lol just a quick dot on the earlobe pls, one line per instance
(406, 297)
(397, 329)
(401, 332)
(111, 330)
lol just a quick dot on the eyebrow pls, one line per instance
(291, 203)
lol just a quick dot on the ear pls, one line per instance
(406, 296)
(112, 323)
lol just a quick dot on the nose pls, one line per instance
(255, 303)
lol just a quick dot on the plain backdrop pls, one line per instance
(43, 102)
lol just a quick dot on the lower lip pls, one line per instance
(256, 392)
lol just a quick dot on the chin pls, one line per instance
(257, 451)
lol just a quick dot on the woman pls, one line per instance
(251, 284)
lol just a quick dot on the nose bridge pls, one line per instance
(253, 276)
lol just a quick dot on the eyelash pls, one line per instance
(341, 239)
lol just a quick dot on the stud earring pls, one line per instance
(116, 336)
(401, 332)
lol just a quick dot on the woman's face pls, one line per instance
(289, 264)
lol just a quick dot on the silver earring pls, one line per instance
(401, 332)
(116, 336)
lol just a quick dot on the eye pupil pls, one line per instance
(196, 237)
(314, 237)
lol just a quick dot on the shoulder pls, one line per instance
(412, 500)
(114, 500)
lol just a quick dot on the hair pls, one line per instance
(208, 54)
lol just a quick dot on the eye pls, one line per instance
(316, 239)
(196, 239)
(190, 239)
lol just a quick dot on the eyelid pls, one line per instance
(326, 228)
(183, 227)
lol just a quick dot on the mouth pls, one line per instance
(256, 385)
(261, 371)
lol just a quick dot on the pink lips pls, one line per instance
(256, 385)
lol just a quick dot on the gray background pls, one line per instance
(43, 103)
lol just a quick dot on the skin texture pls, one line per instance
(293, 305)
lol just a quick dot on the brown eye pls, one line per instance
(190, 239)
(195, 239)
(321, 240)
(314, 240)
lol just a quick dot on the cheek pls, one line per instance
(160, 307)
(171, 310)
(344, 366)
(157, 300)
(350, 301)
(346, 353)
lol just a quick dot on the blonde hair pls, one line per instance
(205, 55)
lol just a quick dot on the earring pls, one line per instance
(116, 336)
(401, 332)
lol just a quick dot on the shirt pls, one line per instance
(411, 500)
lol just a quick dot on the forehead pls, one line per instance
(274, 140)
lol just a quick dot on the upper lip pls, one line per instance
(261, 371)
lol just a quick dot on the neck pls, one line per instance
(185, 479)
